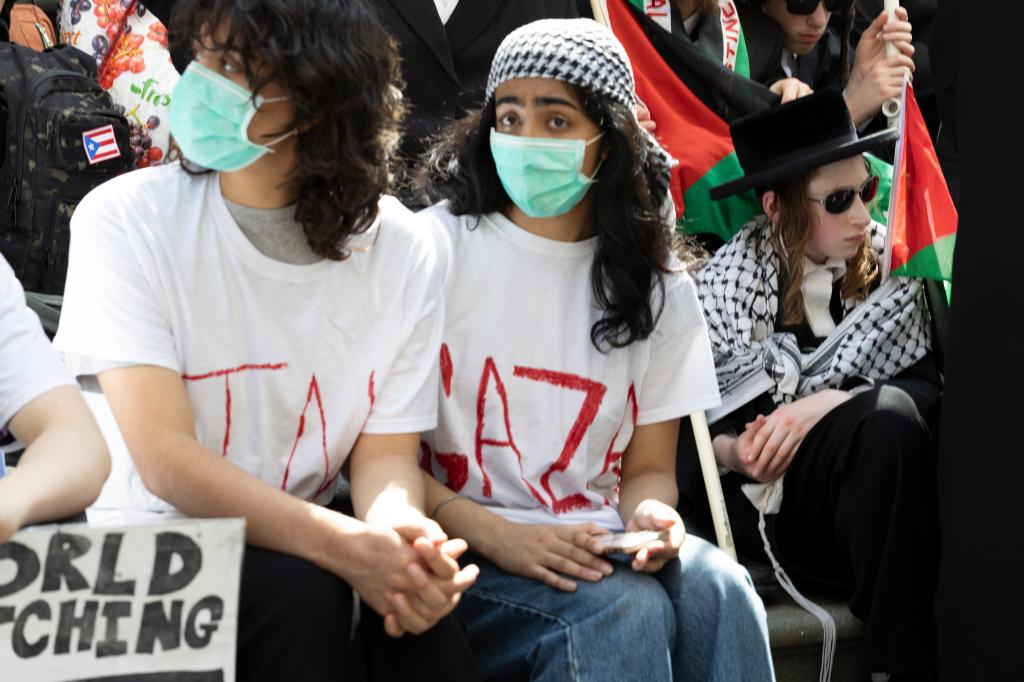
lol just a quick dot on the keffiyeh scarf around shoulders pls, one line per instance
(878, 338)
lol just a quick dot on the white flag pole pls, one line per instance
(712, 483)
(891, 106)
(705, 451)
(897, 181)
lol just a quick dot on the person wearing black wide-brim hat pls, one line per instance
(828, 381)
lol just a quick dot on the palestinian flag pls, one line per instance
(692, 97)
(879, 207)
(922, 218)
(723, 30)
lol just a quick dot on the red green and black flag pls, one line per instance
(922, 218)
(720, 30)
(693, 98)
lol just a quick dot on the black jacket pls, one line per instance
(445, 66)
(765, 42)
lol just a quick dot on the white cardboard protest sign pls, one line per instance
(156, 601)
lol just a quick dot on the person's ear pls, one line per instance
(770, 204)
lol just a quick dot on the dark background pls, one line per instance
(981, 462)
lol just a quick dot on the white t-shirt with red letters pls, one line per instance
(532, 418)
(284, 365)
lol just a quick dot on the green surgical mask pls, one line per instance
(209, 118)
(543, 176)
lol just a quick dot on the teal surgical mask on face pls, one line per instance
(543, 176)
(209, 118)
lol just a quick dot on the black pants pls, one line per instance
(859, 518)
(295, 623)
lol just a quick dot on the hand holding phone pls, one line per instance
(627, 543)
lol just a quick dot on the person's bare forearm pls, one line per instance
(65, 462)
(724, 446)
(59, 475)
(648, 468)
(176, 467)
(385, 485)
(646, 485)
(201, 483)
(463, 518)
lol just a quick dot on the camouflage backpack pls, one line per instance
(61, 138)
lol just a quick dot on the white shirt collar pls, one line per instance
(445, 9)
(788, 62)
(817, 292)
(691, 22)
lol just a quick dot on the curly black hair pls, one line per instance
(635, 240)
(340, 69)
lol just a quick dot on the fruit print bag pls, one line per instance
(133, 64)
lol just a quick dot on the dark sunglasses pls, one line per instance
(841, 200)
(808, 6)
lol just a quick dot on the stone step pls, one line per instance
(796, 637)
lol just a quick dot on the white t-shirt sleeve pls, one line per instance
(112, 309)
(29, 367)
(405, 401)
(680, 378)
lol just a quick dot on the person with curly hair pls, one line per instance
(243, 314)
(830, 386)
(573, 344)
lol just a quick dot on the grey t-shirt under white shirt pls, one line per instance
(274, 232)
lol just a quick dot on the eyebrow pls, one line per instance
(857, 185)
(538, 102)
(223, 52)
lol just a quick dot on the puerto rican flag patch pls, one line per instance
(100, 144)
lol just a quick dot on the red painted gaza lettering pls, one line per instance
(594, 394)
(489, 375)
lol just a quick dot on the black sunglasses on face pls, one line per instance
(840, 201)
(808, 6)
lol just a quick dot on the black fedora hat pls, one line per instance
(794, 138)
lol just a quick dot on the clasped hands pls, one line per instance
(767, 445)
(408, 571)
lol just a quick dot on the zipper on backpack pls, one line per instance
(12, 200)
(53, 135)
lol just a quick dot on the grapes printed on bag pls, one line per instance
(134, 65)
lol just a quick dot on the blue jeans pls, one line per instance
(697, 619)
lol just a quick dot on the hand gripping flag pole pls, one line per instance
(891, 106)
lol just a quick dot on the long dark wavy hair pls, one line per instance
(634, 237)
(340, 69)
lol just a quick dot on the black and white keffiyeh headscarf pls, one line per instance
(878, 338)
(581, 52)
(577, 51)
